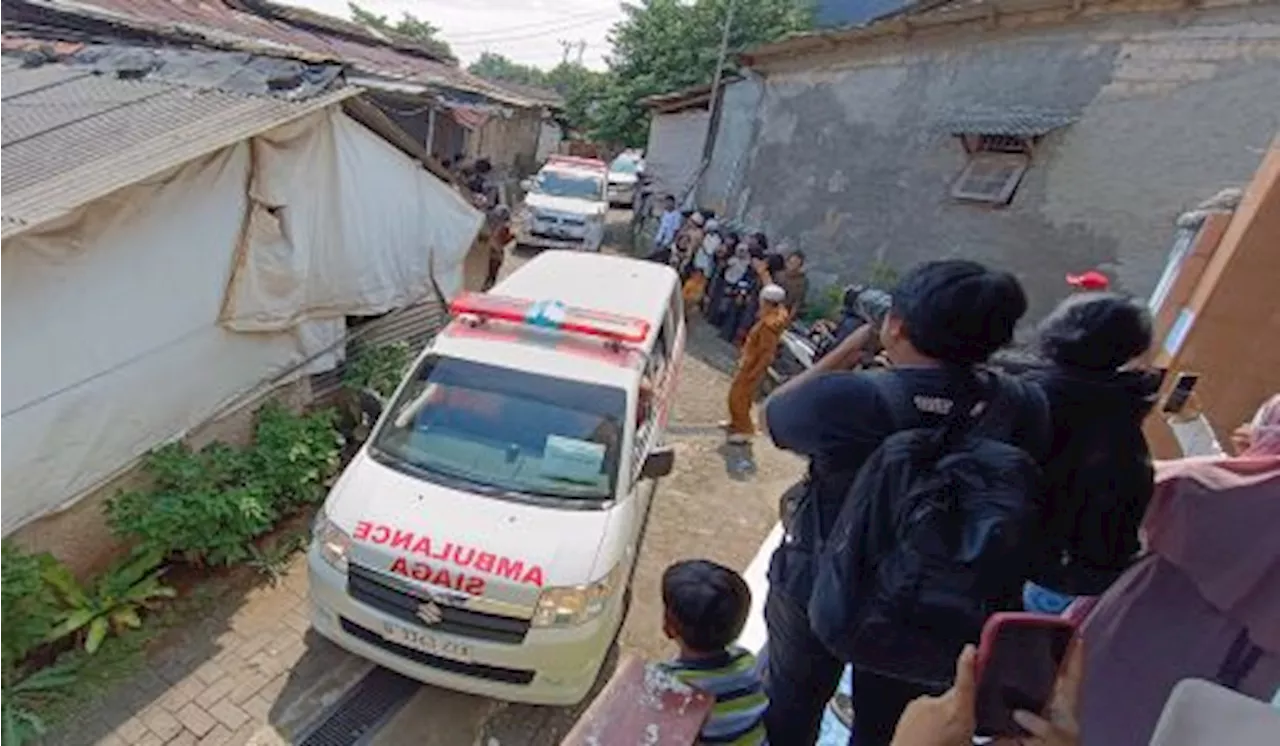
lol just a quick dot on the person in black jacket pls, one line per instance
(1099, 479)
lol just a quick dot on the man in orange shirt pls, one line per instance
(758, 351)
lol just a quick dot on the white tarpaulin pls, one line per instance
(342, 224)
(111, 338)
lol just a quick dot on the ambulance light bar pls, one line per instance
(574, 160)
(551, 315)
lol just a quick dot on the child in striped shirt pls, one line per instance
(706, 608)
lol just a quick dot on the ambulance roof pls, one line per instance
(600, 282)
(609, 284)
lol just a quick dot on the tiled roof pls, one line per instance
(309, 36)
(71, 136)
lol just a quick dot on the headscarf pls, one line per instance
(738, 264)
(1264, 431)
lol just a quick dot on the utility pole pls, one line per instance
(566, 45)
(713, 121)
(582, 49)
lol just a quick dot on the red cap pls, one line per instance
(1091, 280)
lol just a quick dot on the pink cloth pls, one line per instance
(1213, 528)
(1264, 431)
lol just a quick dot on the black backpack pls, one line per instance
(933, 536)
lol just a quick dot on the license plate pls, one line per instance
(426, 642)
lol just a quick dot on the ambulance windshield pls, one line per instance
(501, 430)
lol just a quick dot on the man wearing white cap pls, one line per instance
(758, 351)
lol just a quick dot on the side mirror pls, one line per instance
(658, 463)
(371, 406)
(526, 185)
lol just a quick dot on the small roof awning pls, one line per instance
(1011, 121)
(470, 117)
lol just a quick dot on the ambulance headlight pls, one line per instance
(333, 542)
(574, 605)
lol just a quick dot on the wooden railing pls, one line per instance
(642, 705)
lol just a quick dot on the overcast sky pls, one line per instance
(527, 31)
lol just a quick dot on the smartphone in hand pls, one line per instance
(1019, 657)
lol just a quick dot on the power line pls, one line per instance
(545, 26)
(532, 35)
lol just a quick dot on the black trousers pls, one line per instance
(802, 675)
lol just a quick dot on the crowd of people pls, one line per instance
(1030, 486)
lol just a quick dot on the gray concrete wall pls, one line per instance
(735, 133)
(850, 162)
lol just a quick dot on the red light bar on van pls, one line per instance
(552, 315)
(580, 162)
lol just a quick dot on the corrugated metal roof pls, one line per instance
(71, 138)
(220, 22)
(1016, 121)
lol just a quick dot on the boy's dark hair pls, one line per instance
(762, 239)
(669, 198)
(707, 602)
(1095, 331)
(483, 166)
(958, 311)
(731, 239)
(775, 262)
(798, 253)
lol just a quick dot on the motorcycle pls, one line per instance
(803, 345)
(798, 349)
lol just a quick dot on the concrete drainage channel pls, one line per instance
(355, 718)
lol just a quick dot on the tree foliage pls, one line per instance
(578, 85)
(409, 26)
(497, 67)
(664, 45)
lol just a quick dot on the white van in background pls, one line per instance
(485, 536)
(565, 205)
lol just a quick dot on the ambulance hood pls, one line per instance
(454, 542)
(565, 205)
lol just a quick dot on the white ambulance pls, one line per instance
(565, 205)
(484, 537)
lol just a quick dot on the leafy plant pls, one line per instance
(882, 275)
(28, 607)
(293, 455)
(20, 721)
(205, 506)
(378, 367)
(273, 559)
(112, 604)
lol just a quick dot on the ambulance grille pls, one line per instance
(376, 590)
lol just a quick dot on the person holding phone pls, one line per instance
(950, 719)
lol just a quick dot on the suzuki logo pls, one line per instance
(447, 598)
(430, 613)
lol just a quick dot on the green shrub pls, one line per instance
(882, 275)
(21, 723)
(112, 604)
(28, 607)
(378, 367)
(293, 455)
(200, 507)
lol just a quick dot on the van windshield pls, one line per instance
(500, 430)
(572, 184)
